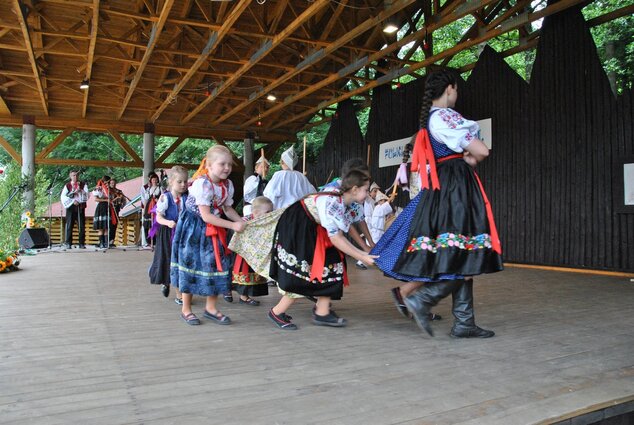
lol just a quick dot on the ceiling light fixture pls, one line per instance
(390, 27)
(271, 98)
(84, 84)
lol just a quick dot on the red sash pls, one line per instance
(423, 155)
(241, 267)
(319, 259)
(218, 234)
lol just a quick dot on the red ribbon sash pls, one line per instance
(319, 260)
(423, 155)
(218, 234)
(495, 239)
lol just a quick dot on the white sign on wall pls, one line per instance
(391, 153)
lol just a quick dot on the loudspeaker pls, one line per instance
(33, 238)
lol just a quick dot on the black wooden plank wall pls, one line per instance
(343, 141)
(551, 171)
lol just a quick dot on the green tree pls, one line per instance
(11, 183)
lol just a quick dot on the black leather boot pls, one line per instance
(420, 302)
(464, 325)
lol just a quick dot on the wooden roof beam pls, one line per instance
(55, 143)
(137, 127)
(494, 32)
(264, 50)
(318, 55)
(4, 108)
(214, 40)
(18, 7)
(171, 149)
(12, 152)
(157, 28)
(94, 23)
(217, 26)
(117, 137)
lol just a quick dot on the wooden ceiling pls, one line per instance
(204, 68)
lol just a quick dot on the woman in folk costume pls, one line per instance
(254, 185)
(447, 233)
(287, 185)
(105, 214)
(150, 194)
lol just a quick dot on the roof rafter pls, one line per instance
(157, 28)
(19, 9)
(494, 32)
(264, 50)
(94, 23)
(214, 40)
(360, 29)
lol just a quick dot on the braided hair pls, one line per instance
(435, 85)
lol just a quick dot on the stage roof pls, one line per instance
(205, 68)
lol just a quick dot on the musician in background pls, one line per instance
(74, 196)
(117, 199)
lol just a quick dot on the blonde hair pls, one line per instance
(212, 153)
(215, 151)
(260, 203)
(178, 170)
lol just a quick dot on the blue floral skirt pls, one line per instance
(441, 234)
(193, 267)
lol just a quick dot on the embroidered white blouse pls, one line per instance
(214, 195)
(449, 127)
(330, 212)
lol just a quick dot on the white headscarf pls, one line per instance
(290, 158)
(380, 196)
(261, 160)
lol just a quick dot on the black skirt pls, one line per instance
(293, 253)
(441, 234)
(160, 269)
(101, 217)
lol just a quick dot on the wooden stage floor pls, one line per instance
(84, 339)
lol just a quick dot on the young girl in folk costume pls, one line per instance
(358, 209)
(200, 260)
(105, 214)
(150, 194)
(246, 282)
(168, 208)
(447, 233)
(308, 256)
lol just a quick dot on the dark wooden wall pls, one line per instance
(556, 141)
(343, 141)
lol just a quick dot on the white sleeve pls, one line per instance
(272, 190)
(382, 210)
(162, 204)
(85, 195)
(250, 189)
(202, 191)
(331, 212)
(144, 195)
(63, 196)
(449, 127)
